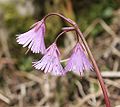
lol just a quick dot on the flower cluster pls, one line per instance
(50, 62)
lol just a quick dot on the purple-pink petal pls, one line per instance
(50, 62)
(78, 61)
(34, 38)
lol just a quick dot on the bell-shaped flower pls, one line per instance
(50, 62)
(34, 38)
(78, 61)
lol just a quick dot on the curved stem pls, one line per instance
(89, 53)
(63, 17)
(96, 68)
(59, 35)
(67, 29)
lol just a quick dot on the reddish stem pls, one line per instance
(66, 29)
(107, 102)
(57, 14)
(96, 69)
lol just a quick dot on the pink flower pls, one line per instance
(34, 38)
(50, 62)
(78, 62)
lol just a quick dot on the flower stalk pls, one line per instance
(95, 68)
(104, 90)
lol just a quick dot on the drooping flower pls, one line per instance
(34, 38)
(78, 61)
(50, 62)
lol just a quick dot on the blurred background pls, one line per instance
(22, 86)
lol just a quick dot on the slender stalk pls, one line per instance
(63, 17)
(96, 69)
(59, 35)
(66, 29)
(107, 102)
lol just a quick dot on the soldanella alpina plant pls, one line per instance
(81, 58)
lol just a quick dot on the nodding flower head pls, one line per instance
(50, 62)
(34, 38)
(78, 61)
